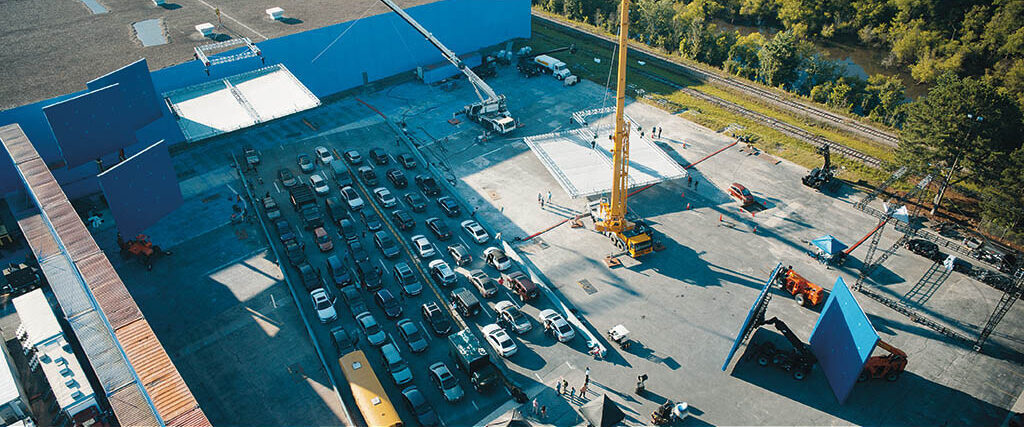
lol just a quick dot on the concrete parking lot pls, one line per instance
(683, 304)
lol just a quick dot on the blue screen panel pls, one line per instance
(842, 340)
(142, 189)
(90, 125)
(756, 310)
(142, 106)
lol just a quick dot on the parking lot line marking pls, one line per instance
(464, 242)
(299, 232)
(276, 187)
(484, 308)
(474, 405)
(569, 365)
(423, 329)
(538, 377)
(232, 189)
(383, 266)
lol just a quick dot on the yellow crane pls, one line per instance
(610, 215)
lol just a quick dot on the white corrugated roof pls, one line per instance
(8, 386)
(37, 317)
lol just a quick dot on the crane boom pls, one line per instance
(614, 211)
(479, 85)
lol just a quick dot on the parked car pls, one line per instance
(353, 157)
(510, 316)
(460, 254)
(305, 163)
(465, 302)
(483, 283)
(368, 176)
(271, 208)
(417, 404)
(284, 231)
(924, 248)
(442, 273)
(335, 209)
(379, 156)
(319, 184)
(323, 240)
(439, 228)
(741, 194)
(323, 155)
(407, 160)
(428, 185)
(395, 365)
(556, 325)
(338, 272)
(475, 231)
(439, 322)
(406, 279)
(355, 248)
(442, 377)
(499, 340)
(423, 246)
(347, 230)
(324, 306)
(369, 275)
(384, 197)
(287, 177)
(352, 198)
(371, 220)
(416, 202)
(374, 334)
(449, 206)
(354, 299)
(496, 258)
(295, 253)
(520, 284)
(403, 220)
(252, 158)
(412, 336)
(310, 277)
(397, 177)
(387, 302)
(344, 342)
(386, 244)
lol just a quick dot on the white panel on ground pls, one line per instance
(584, 171)
(240, 101)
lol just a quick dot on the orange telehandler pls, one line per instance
(889, 366)
(804, 292)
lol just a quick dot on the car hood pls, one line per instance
(454, 393)
(377, 338)
(402, 376)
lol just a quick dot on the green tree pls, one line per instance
(743, 58)
(654, 23)
(885, 96)
(965, 127)
(1002, 203)
(573, 9)
(779, 59)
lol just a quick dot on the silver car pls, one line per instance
(374, 334)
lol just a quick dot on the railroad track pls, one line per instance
(822, 115)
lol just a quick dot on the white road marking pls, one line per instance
(424, 329)
(569, 365)
(484, 308)
(276, 187)
(299, 232)
(232, 189)
(464, 242)
(538, 377)
(473, 402)
(384, 267)
(492, 151)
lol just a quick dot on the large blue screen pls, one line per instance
(842, 340)
(90, 125)
(141, 103)
(142, 189)
(756, 311)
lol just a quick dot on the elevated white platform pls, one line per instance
(237, 102)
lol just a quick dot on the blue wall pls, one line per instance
(381, 46)
(842, 340)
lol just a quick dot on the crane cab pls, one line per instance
(636, 237)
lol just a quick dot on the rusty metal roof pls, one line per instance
(141, 382)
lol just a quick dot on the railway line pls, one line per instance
(839, 121)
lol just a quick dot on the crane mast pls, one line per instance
(613, 213)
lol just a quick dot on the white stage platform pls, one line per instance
(237, 102)
(582, 171)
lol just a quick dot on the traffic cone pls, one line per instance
(687, 206)
(719, 217)
(755, 229)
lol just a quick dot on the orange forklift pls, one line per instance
(140, 248)
(889, 366)
(804, 292)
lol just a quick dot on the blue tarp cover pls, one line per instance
(829, 244)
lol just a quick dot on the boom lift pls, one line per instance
(491, 112)
(804, 292)
(821, 177)
(610, 216)
(797, 362)
(889, 366)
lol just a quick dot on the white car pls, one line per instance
(500, 340)
(423, 246)
(323, 155)
(556, 325)
(352, 198)
(324, 306)
(319, 184)
(442, 272)
(474, 230)
(385, 198)
(496, 258)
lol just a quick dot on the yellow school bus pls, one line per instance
(369, 395)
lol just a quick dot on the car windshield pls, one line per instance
(505, 342)
(322, 304)
(448, 380)
(426, 247)
(397, 365)
(349, 192)
(517, 316)
(440, 321)
(412, 333)
(390, 303)
(371, 326)
(564, 328)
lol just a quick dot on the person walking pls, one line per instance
(572, 393)
(593, 144)
(549, 196)
(558, 387)
(536, 407)
(540, 199)
(586, 374)
(583, 391)
(659, 131)
(543, 412)
(695, 182)
(689, 181)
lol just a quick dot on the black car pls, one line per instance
(354, 300)
(287, 177)
(284, 230)
(448, 205)
(347, 229)
(379, 156)
(406, 279)
(924, 248)
(460, 254)
(353, 157)
(310, 276)
(358, 252)
(428, 184)
(338, 272)
(439, 322)
(407, 160)
(386, 244)
(371, 220)
(368, 176)
(417, 404)
(387, 302)
(294, 252)
(344, 342)
(397, 177)
(439, 228)
(403, 220)
(416, 202)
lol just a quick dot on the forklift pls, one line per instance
(804, 292)
(889, 366)
(797, 362)
(140, 248)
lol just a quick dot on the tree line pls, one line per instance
(968, 128)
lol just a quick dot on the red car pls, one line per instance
(741, 194)
(323, 240)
